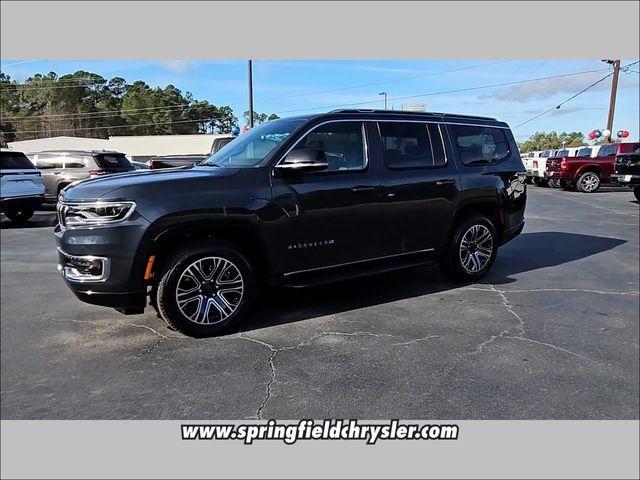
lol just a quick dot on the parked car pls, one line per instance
(627, 171)
(587, 172)
(172, 161)
(294, 202)
(527, 160)
(21, 188)
(539, 166)
(61, 168)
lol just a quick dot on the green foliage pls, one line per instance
(551, 140)
(88, 105)
(260, 117)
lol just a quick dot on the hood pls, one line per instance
(94, 188)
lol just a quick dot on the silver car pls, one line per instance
(63, 167)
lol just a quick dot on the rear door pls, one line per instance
(18, 176)
(50, 165)
(420, 184)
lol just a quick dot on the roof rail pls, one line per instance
(409, 112)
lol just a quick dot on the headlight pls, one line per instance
(93, 214)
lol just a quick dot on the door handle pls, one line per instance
(362, 188)
(445, 182)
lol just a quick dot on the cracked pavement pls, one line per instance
(550, 333)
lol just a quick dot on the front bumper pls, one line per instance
(625, 179)
(97, 264)
(23, 201)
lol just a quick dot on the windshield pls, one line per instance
(251, 148)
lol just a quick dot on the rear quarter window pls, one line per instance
(15, 161)
(48, 162)
(479, 145)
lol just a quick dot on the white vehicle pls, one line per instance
(539, 165)
(21, 187)
(527, 160)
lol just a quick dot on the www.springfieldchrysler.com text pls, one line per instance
(322, 430)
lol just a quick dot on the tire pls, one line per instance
(588, 182)
(554, 183)
(567, 185)
(636, 192)
(214, 303)
(529, 180)
(540, 182)
(456, 261)
(20, 215)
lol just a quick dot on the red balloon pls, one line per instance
(592, 135)
(624, 134)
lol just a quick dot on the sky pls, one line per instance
(297, 87)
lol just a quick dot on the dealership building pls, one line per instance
(140, 148)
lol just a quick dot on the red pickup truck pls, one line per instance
(586, 172)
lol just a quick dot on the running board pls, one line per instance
(348, 272)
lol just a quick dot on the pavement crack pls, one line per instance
(533, 290)
(555, 347)
(510, 309)
(411, 342)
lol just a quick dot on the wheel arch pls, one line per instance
(490, 207)
(163, 238)
(591, 167)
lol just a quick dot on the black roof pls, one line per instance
(412, 113)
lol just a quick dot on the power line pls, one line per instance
(447, 91)
(383, 82)
(565, 101)
(30, 117)
(200, 120)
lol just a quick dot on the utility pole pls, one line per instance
(385, 99)
(612, 99)
(250, 94)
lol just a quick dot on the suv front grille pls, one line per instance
(61, 210)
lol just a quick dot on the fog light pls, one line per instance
(85, 268)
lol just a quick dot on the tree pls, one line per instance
(260, 117)
(551, 141)
(86, 104)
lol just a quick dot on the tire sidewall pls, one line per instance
(20, 215)
(454, 262)
(174, 268)
(581, 179)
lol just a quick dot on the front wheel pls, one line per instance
(588, 182)
(206, 289)
(20, 215)
(554, 183)
(540, 182)
(472, 250)
(636, 192)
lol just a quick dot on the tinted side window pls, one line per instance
(480, 145)
(342, 143)
(607, 150)
(46, 162)
(10, 160)
(411, 145)
(75, 162)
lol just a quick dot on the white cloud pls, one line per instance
(177, 66)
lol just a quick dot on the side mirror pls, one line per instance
(303, 160)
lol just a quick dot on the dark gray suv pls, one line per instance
(294, 202)
(61, 168)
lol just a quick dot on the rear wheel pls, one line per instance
(206, 289)
(567, 185)
(472, 250)
(20, 214)
(554, 183)
(636, 192)
(588, 182)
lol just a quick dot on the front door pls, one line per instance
(331, 215)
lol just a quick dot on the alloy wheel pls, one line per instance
(590, 182)
(209, 290)
(476, 248)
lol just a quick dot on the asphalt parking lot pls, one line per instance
(551, 333)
